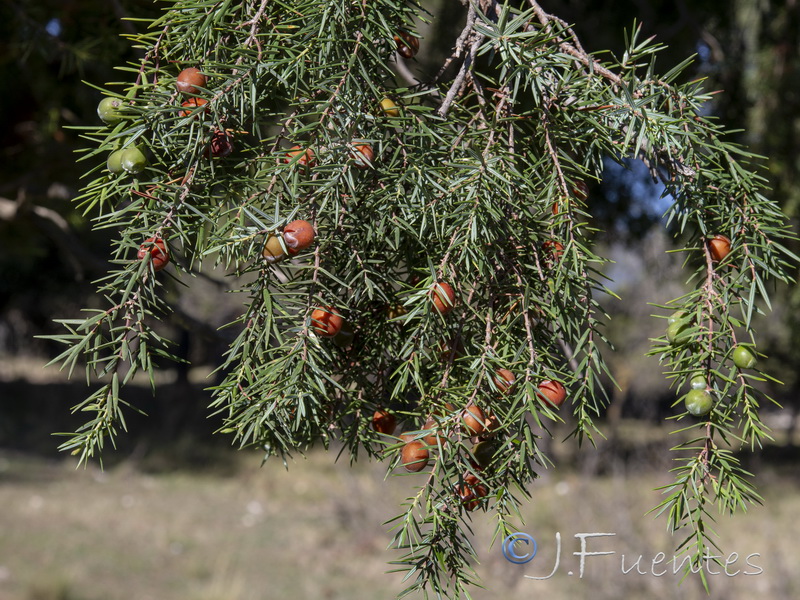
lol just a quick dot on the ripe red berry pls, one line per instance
(467, 496)
(580, 190)
(414, 454)
(190, 80)
(383, 421)
(504, 380)
(306, 156)
(444, 297)
(326, 321)
(432, 424)
(719, 246)
(553, 393)
(491, 422)
(471, 491)
(157, 249)
(473, 420)
(221, 144)
(407, 44)
(363, 155)
(553, 251)
(191, 104)
(298, 235)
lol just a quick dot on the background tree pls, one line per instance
(463, 163)
(48, 48)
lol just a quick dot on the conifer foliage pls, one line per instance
(416, 257)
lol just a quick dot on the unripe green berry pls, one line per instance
(699, 381)
(678, 333)
(699, 402)
(743, 357)
(114, 162)
(109, 110)
(677, 316)
(133, 160)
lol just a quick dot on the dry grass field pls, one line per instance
(180, 516)
(239, 531)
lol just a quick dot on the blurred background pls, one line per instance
(176, 513)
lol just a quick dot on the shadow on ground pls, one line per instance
(176, 430)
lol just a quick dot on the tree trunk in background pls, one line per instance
(767, 45)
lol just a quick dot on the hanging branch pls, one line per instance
(419, 256)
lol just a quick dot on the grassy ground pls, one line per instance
(239, 532)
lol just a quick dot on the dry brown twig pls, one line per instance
(573, 46)
(474, 40)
